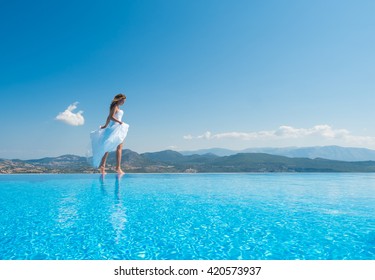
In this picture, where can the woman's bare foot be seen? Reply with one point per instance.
(102, 170)
(119, 171)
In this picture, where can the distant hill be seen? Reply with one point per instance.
(171, 162)
(216, 151)
(327, 152)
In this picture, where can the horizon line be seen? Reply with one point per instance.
(198, 150)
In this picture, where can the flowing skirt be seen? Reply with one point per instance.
(107, 140)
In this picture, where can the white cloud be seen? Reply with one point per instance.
(71, 118)
(206, 135)
(172, 147)
(317, 132)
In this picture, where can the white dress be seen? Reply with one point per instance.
(107, 139)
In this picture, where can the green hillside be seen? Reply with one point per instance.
(173, 162)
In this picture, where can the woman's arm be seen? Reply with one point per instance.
(111, 117)
(106, 123)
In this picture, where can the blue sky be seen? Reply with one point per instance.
(197, 74)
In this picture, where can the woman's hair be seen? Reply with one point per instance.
(116, 99)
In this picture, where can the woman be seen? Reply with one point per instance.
(110, 136)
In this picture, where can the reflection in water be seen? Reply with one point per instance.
(102, 184)
(118, 214)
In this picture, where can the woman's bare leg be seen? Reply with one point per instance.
(119, 155)
(102, 163)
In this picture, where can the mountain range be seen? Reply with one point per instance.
(326, 152)
(213, 160)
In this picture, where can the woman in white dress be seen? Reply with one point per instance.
(110, 136)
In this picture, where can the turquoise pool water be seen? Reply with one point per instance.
(188, 216)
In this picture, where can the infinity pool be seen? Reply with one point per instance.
(188, 216)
